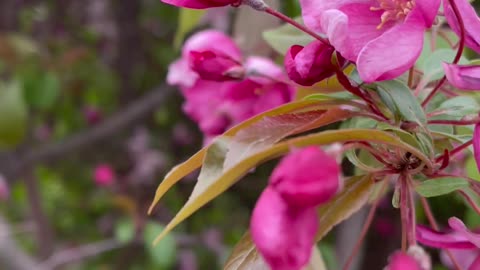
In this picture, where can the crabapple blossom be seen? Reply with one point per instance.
(470, 19)
(284, 221)
(104, 175)
(383, 37)
(466, 77)
(310, 64)
(402, 261)
(201, 4)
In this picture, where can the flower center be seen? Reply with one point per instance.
(393, 10)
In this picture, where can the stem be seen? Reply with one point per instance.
(292, 22)
(454, 151)
(470, 201)
(404, 210)
(410, 77)
(461, 46)
(413, 225)
(366, 226)
(44, 233)
(474, 121)
(433, 223)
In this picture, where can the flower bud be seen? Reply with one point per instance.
(402, 261)
(463, 77)
(283, 234)
(307, 177)
(104, 175)
(310, 64)
(214, 66)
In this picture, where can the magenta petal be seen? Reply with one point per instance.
(457, 225)
(429, 10)
(431, 238)
(476, 145)
(212, 40)
(199, 4)
(393, 53)
(402, 261)
(470, 19)
(463, 77)
(283, 235)
(302, 189)
(179, 73)
(476, 264)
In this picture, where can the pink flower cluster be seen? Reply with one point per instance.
(220, 89)
(284, 221)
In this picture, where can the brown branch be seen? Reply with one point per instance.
(13, 164)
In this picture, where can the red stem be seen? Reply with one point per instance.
(455, 150)
(459, 51)
(292, 22)
(470, 201)
(455, 122)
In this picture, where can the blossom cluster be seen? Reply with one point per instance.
(382, 41)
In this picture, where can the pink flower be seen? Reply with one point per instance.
(463, 77)
(104, 175)
(460, 238)
(470, 20)
(180, 72)
(216, 106)
(383, 37)
(210, 65)
(476, 145)
(311, 64)
(284, 221)
(201, 4)
(402, 261)
(283, 234)
(307, 177)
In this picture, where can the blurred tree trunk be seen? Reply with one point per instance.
(8, 15)
(129, 45)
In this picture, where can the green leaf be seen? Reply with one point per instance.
(458, 107)
(471, 169)
(229, 176)
(13, 114)
(42, 90)
(400, 99)
(440, 186)
(188, 19)
(432, 67)
(285, 36)
(124, 231)
(162, 255)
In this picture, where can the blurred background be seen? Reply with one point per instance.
(88, 128)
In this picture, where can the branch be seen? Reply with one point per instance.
(12, 164)
(80, 253)
(12, 257)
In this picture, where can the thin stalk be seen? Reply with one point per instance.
(292, 22)
(461, 46)
(455, 150)
(470, 201)
(366, 226)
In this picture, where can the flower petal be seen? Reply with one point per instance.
(212, 40)
(463, 77)
(180, 73)
(476, 145)
(431, 238)
(470, 19)
(458, 226)
(283, 235)
(429, 10)
(394, 52)
(402, 261)
(310, 189)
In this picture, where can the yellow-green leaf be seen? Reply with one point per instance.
(246, 257)
(231, 175)
(194, 162)
(354, 196)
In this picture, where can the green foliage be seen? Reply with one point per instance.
(13, 114)
(162, 255)
(285, 36)
(440, 186)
